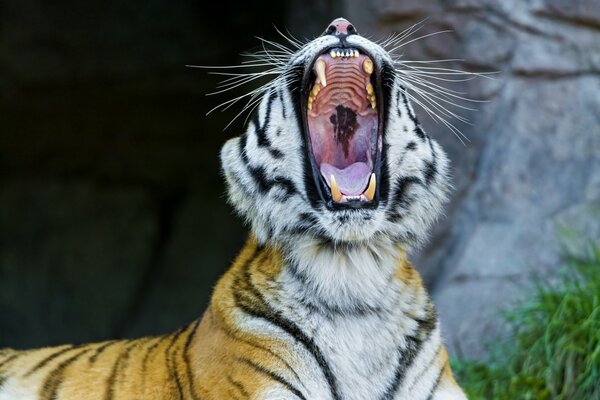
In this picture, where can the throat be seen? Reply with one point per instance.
(357, 279)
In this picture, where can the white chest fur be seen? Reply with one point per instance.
(358, 315)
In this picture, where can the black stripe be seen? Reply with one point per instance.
(257, 307)
(398, 100)
(232, 394)
(426, 368)
(54, 379)
(172, 366)
(274, 376)
(186, 359)
(411, 146)
(2, 380)
(259, 174)
(239, 386)
(242, 147)
(283, 109)
(9, 359)
(407, 355)
(262, 138)
(111, 381)
(231, 333)
(436, 384)
(169, 361)
(265, 184)
(418, 130)
(307, 223)
(101, 349)
(399, 197)
(431, 166)
(149, 351)
(46, 360)
(384, 183)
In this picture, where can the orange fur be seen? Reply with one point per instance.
(208, 359)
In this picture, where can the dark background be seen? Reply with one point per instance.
(113, 220)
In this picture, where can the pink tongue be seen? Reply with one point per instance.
(351, 180)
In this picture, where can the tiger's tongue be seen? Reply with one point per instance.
(351, 180)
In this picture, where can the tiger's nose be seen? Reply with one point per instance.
(340, 26)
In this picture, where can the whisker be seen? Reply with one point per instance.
(418, 38)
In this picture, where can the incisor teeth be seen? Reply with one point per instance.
(333, 54)
(320, 67)
(339, 53)
(370, 192)
(368, 66)
(356, 54)
(335, 190)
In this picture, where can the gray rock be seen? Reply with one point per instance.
(532, 169)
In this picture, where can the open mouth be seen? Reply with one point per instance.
(343, 121)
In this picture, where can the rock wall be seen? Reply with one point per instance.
(532, 166)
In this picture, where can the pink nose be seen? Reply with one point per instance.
(340, 26)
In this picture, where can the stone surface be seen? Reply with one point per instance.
(532, 168)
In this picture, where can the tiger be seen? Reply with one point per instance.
(337, 181)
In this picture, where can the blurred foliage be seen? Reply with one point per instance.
(554, 352)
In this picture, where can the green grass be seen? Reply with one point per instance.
(554, 352)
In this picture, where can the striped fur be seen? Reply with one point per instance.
(320, 304)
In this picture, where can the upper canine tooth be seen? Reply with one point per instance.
(368, 66)
(370, 192)
(335, 190)
(320, 67)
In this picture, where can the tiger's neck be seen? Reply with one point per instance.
(332, 279)
(342, 279)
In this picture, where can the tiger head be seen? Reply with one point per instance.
(334, 150)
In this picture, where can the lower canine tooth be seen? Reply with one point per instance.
(370, 89)
(335, 190)
(370, 192)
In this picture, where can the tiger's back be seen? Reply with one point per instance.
(146, 368)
